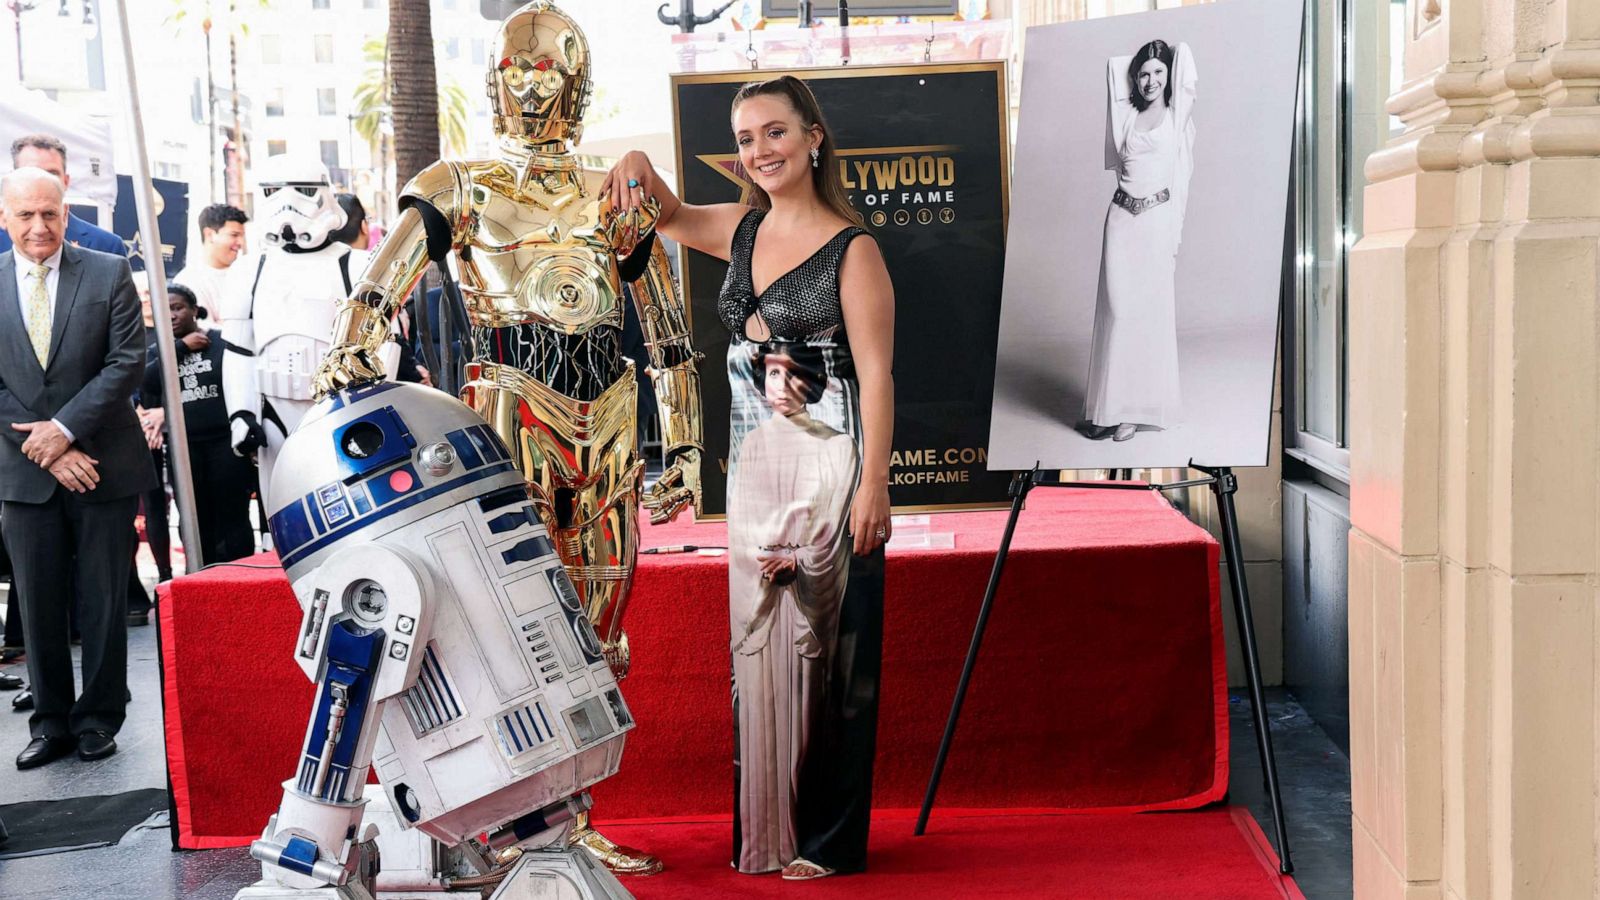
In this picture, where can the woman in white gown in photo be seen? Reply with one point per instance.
(1133, 363)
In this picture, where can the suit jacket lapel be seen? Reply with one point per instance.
(66, 296)
(12, 332)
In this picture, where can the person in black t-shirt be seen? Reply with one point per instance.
(223, 481)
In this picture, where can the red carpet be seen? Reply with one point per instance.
(1214, 853)
(1101, 686)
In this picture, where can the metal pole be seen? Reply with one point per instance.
(17, 8)
(1020, 485)
(1224, 488)
(155, 268)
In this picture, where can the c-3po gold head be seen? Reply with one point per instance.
(539, 80)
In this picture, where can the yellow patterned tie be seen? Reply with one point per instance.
(39, 314)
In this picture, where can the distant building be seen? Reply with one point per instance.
(305, 59)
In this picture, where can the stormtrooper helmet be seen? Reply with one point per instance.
(296, 200)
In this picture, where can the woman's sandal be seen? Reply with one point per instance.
(805, 870)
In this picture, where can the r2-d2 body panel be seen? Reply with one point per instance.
(498, 700)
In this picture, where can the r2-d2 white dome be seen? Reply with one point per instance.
(450, 650)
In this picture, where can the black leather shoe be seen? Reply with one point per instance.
(93, 745)
(10, 682)
(8, 654)
(22, 702)
(44, 750)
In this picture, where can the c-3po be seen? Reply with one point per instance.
(541, 260)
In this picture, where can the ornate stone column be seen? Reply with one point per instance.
(1475, 435)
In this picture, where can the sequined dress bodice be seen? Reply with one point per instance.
(802, 304)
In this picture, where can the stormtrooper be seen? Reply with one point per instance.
(451, 656)
(279, 306)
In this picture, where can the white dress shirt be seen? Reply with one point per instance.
(52, 278)
(25, 281)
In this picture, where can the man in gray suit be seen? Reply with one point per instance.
(73, 461)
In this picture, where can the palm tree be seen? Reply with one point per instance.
(372, 97)
(413, 88)
(199, 12)
(239, 26)
(235, 22)
(371, 101)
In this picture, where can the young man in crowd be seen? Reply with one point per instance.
(223, 481)
(221, 242)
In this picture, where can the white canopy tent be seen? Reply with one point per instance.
(88, 139)
(603, 148)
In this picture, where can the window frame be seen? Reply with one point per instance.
(323, 146)
(1326, 459)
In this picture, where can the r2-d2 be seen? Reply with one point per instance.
(450, 652)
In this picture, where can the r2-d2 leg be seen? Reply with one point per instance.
(356, 640)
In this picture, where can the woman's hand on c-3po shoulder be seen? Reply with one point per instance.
(633, 168)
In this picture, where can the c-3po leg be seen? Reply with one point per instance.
(585, 477)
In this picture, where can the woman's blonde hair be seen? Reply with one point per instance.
(825, 174)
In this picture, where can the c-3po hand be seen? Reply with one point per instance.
(627, 224)
(677, 489)
(345, 366)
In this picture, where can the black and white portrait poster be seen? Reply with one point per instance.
(1139, 322)
(923, 154)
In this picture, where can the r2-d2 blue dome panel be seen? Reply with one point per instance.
(507, 704)
(358, 467)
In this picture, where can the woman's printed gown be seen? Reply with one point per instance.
(806, 652)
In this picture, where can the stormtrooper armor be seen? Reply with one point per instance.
(450, 652)
(279, 306)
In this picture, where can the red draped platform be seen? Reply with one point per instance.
(1102, 683)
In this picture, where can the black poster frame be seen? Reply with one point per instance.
(941, 441)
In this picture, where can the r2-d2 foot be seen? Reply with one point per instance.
(449, 648)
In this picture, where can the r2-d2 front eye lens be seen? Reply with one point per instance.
(437, 459)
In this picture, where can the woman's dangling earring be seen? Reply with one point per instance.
(816, 157)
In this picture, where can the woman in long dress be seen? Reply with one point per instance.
(811, 309)
(1133, 364)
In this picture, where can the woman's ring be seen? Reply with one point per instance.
(633, 182)
(883, 533)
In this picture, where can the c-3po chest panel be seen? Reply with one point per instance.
(538, 257)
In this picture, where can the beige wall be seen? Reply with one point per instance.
(1474, 435)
